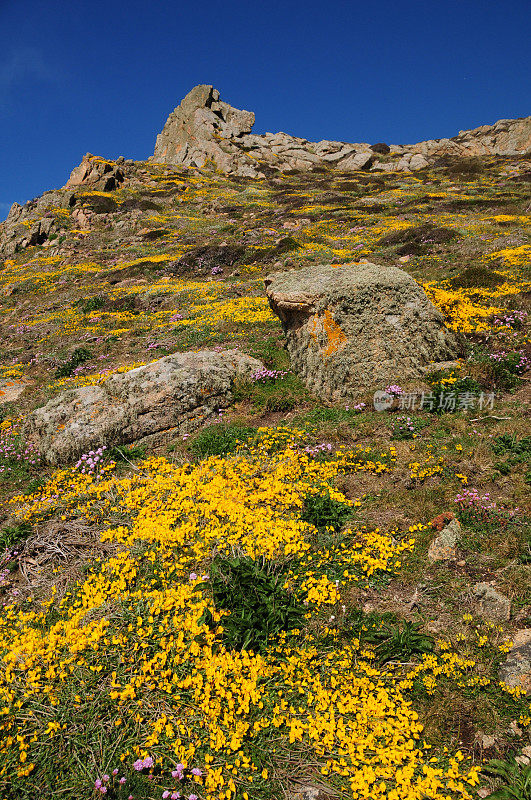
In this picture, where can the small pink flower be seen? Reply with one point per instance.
(196, 771)
(165, 794)
(97, 784)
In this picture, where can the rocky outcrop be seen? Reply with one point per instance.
(205, 130)
(33, 223)
(358, 326)
(96, 173)
(41, 220)
(178, 392)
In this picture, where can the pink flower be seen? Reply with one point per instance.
(196, 771)
(122, 781)
(97, 784)
(138, 765)
(165, 794)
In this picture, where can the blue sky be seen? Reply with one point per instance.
(102, 76)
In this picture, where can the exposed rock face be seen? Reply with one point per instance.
(358, 326)
(517, 669)
(32, 223)
(204, 129)
(176, 392)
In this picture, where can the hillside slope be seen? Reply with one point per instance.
(265, 608)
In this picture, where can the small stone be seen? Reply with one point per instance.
(492, 605)
(487, 741)
(444, 546)
(516, 671)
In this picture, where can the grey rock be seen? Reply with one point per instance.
(358, 326)
(444, 546)
(204, 130)
(516, 671)
(362, 160)
(418, 162)
(492, 605)
(178, 392)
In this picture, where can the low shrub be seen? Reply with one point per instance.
(90, 304)
(405, 427)
(279, 392)
(78, 357)
(13, 534)
(447, 391)
(325, 512)
(19, 460)
(515, 779)
(400, 642)
(260, 608)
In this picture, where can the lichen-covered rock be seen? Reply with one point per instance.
(443, 547)
(517, 668)
(180, 392)
(491, 604)
(358, 326)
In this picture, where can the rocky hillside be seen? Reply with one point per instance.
(264, 470)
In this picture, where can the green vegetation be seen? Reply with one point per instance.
(259, 607)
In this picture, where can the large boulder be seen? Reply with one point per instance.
(355, 327)
(180, 392)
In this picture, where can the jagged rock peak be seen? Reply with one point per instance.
(205, 130)
(192, 131)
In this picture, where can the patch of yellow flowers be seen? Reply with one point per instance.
(123, 654)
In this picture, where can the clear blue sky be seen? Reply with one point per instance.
(102, 75)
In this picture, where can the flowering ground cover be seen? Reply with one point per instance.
(249, 609)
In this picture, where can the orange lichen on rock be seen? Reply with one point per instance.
(327, 325)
